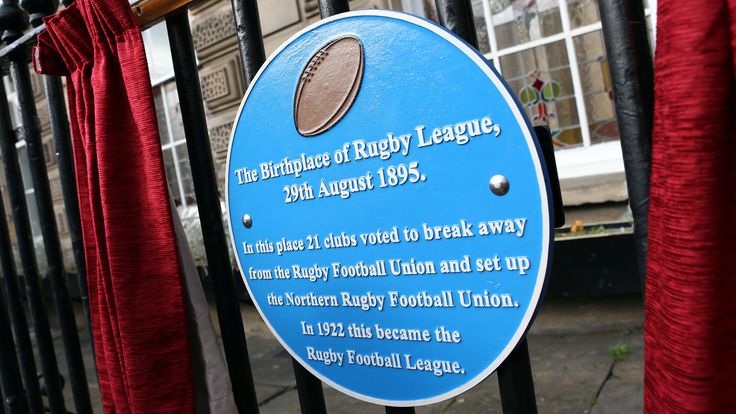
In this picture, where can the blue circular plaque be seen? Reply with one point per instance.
(389, 207)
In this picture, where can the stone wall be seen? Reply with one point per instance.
(223, 87)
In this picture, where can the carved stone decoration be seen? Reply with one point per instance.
(214, 30)
(214, 33)
(219, 138)
(215, 85)
(221, 84)
(55, 184)
(310, 8)
(44, 122)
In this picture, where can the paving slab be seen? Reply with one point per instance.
(580, 316)
(570, 350)
(623, 391)
(266, 393)
(569, 344)
(570, 367)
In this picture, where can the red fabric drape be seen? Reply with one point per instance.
(133, 273)
(690, 329)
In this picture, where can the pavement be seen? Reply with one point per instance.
(586, 357)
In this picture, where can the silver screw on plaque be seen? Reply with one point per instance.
(247, 221)
(499, 185)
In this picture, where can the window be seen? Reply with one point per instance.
(171, 129)
(156, 43)
(552, 54)
(173, 144)
(173, 140)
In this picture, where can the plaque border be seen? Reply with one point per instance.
(541, 173)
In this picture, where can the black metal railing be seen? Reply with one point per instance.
(21, 389)
(210, 215)
(14, 22)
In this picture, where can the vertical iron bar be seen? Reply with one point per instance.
(65, 164)
(36, 304)
(329, 8)
(515, 382)
(252, 56)
(14, 399)
(632, 72)
(457, 16)
(309, 388)
(208, 204)
(12, 290)
(250, 40)
(14, 22)
(38, 9)
(514, 374)
(548, 152)
(62, 141)
(52, 245)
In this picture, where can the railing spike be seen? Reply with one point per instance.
(13, 21)
(38, 9)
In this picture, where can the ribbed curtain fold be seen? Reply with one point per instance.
(690, 328)
(136, 290)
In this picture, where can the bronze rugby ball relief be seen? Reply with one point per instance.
(328, 86)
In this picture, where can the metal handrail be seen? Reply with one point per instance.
(149, 12)
(146, 12)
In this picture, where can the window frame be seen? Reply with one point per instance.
(579, 161)
(160, 83)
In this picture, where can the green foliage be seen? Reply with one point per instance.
(619, 352)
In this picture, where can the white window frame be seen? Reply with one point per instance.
(583, 163)
(172, 142)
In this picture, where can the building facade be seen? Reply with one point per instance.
(550, 52)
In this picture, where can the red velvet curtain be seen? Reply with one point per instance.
(133, 272)
(690, 330)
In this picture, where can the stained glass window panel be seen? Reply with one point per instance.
(520, 21)
(583, 12)
(595, 80)
(541, 79)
